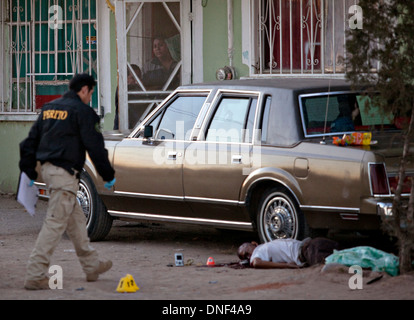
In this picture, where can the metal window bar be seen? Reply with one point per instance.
(312, 39)
(333, 38)
(19, 51)
(301, 38)
(281, 36)
(290, 37)
(2, 71)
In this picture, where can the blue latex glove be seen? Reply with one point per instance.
(110, 184)
(31, 183)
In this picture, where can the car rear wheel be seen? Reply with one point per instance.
(279, 216)
(98, 221)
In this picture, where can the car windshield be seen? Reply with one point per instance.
(342, 113)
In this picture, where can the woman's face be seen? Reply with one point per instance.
(160, 48)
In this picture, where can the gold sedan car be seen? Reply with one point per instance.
(282, 157)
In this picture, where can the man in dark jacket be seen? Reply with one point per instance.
(65, 130)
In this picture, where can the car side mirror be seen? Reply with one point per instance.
(148, 132)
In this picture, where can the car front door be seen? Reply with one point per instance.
(149, 171)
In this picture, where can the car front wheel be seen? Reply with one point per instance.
(98, 221)
(279, 217)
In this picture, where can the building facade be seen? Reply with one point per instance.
(140, 51)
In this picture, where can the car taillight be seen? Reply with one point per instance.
(379, 179)
(406, 185)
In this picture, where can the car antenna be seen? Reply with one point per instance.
(326, 114)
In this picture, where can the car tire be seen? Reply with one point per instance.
(98, 221)
(279, 217)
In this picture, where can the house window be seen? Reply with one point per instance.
(46, 42)
(301, 37)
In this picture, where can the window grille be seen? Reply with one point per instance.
(301, 37)
(46, 42)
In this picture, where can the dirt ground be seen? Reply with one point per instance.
(146, 251)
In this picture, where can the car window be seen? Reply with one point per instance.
(233, 120)
(341, 113)
(248, 133)
(265, 119)
(176, 121)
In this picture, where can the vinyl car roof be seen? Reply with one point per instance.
(285, 128)
(299, 85)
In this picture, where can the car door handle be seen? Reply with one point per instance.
(172, 155)
(237, 158)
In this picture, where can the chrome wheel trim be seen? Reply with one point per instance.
(278, 218)
(84, 198)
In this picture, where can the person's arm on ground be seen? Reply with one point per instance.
(260, 264)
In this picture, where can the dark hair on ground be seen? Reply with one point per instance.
(241, 250)
(80, 80)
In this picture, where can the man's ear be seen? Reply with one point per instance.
(255, 243)
(85, 90)
(84, 94)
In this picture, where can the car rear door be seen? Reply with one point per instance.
(218, 162)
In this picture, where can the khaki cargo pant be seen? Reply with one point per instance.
(63, 214)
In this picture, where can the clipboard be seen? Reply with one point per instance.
(27, 195)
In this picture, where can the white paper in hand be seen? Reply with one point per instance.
(27, 195)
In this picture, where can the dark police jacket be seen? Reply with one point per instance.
(65, 130)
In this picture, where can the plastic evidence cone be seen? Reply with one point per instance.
(127, 284)
(210, 261)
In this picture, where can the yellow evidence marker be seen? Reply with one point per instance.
(127, 284)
